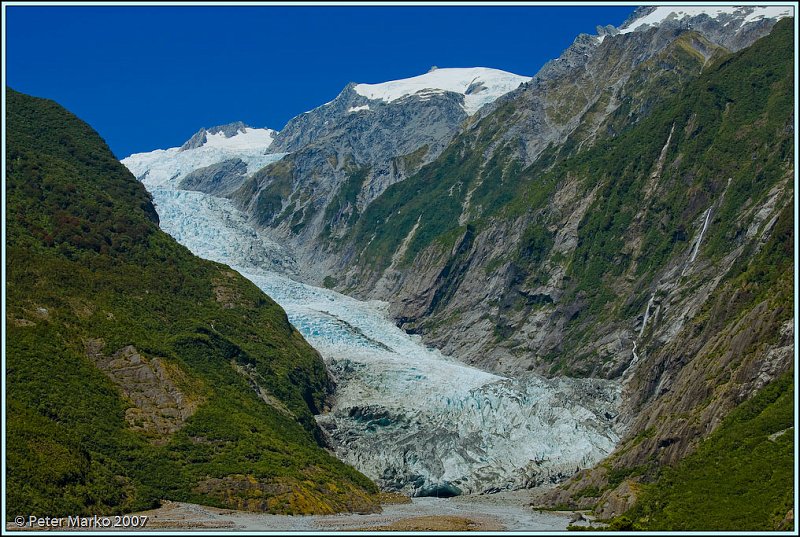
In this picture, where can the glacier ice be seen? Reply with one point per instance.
(166, 167)
(408, 416)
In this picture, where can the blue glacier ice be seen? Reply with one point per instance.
(406, 415)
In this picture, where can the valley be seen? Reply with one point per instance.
(414, 420)
(468, 299)
(541, 312)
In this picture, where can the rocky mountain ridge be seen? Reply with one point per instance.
(607, 259)
(361, 147)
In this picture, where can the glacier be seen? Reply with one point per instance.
(166, 167)
(407, 416)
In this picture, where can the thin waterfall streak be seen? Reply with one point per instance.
(700, 239)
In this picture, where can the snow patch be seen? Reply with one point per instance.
(167, 167)
(358, 108)
(478, 85)
(247, 139)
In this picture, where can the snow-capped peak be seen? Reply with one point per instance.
(231, 136)
(478, 85)
(747, 14)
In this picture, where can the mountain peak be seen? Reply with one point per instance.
(478, 85)
(649, 16)
(229, 129)
(236, 135)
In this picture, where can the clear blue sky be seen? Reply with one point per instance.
(148, 77)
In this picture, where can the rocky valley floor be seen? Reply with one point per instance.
(496, 512)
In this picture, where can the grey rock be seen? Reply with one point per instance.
(199, 138)
(230, 129)
(219, 179)
(329, 144)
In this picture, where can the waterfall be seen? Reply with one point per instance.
(702, 231)
(647, 314)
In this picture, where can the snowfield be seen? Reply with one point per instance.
(249, 138)
(478, 85)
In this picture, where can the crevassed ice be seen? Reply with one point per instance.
(404, 414)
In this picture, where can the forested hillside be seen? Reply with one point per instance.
(136, 371)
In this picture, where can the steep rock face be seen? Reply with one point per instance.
(505, 253)
(218, 179)
(346, 153)
(355, 148)
(590, 79)
(471, 88)
(657, 251)
(382, 143)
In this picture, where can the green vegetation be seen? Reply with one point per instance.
(90, 274)
(434, 198)
(728, 120)
(721, 123)
(413, 160)
(659, 79)
(502, 187)
(395, 212)
(739, 479)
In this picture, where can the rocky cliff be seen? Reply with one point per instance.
(498, 262)
(344, 154)
(654, 243)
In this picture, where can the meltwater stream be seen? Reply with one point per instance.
(407, 416)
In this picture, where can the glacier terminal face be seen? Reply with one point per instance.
(409, 417)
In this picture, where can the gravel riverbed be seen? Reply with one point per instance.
(497, 512)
